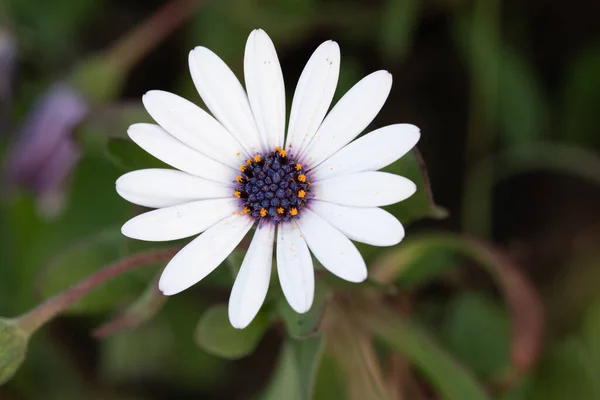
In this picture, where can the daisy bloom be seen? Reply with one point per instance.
(313, 190)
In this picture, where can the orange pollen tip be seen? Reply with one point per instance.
(278, 149)
(248, 162)
(298, 167)
(263, 212)
(246, 210)
(282, 153)
(302, 178)
(293, 211)
(301, 193)
(237, 194)
(257, 158)
(280, 210)
(238, 178)
(242, 168)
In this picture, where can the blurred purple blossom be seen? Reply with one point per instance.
(45, 152)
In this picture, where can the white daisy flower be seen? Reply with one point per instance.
(314, 189)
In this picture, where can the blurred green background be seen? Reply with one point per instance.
(507, 97)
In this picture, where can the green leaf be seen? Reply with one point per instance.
(421, 204)
(295, 372)
(126, 154)
(300, 326)
(564, 372)
(446, 375)
(85, 258)
(216, 336)
(591, 333)
(477, 331)
(581, 98)
(398, 24)
(13, 346)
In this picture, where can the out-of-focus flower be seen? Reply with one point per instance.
(45, 151)
(317, 187)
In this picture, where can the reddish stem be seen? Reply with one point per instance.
(49, 309)
(129, 50)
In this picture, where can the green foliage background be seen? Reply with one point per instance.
(507, 96)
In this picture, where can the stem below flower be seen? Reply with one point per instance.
(49, 309)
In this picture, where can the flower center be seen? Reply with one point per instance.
(272, 187)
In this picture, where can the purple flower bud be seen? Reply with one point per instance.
(45, 152)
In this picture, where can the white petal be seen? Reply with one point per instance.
(178, 222)
(203, 254)
(364, 189)
(266, 91)
(159, 143)
(295, 268)
(369, 225)
(166, 187)
(224, 96)
(193, 126)
(334, 250)
(349, 117)
(252, 282)
(313, 96)
(371, 152)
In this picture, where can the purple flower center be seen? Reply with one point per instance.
(272, 187)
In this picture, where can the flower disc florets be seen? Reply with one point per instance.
(272, 187)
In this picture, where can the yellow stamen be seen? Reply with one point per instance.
(246, 210)
(282, 153)
(242, 168)
(293, 211)
(298, 167)
(263, 212)
(238, 179)
(302, 178)
(237, 194)
(280, 210)
(248, 162)
(257, 158)
(278, 149)
(301, 193)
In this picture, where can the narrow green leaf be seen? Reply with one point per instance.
(398, 24)
(216, 336)
(295, 372)
(446, 375)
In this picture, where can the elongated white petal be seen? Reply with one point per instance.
(350, 116)
(167, 187)
(180, 221)
(371, 152)
(203, 254)
(313, 96)
(369, 225)
(266, 91)
(295, 268)
(364, 189)
(224, 96)
(334, 250)
(159, 143)
(252, 282)
(193, 126)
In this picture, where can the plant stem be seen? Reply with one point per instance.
(49, 309)
(129, 50)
